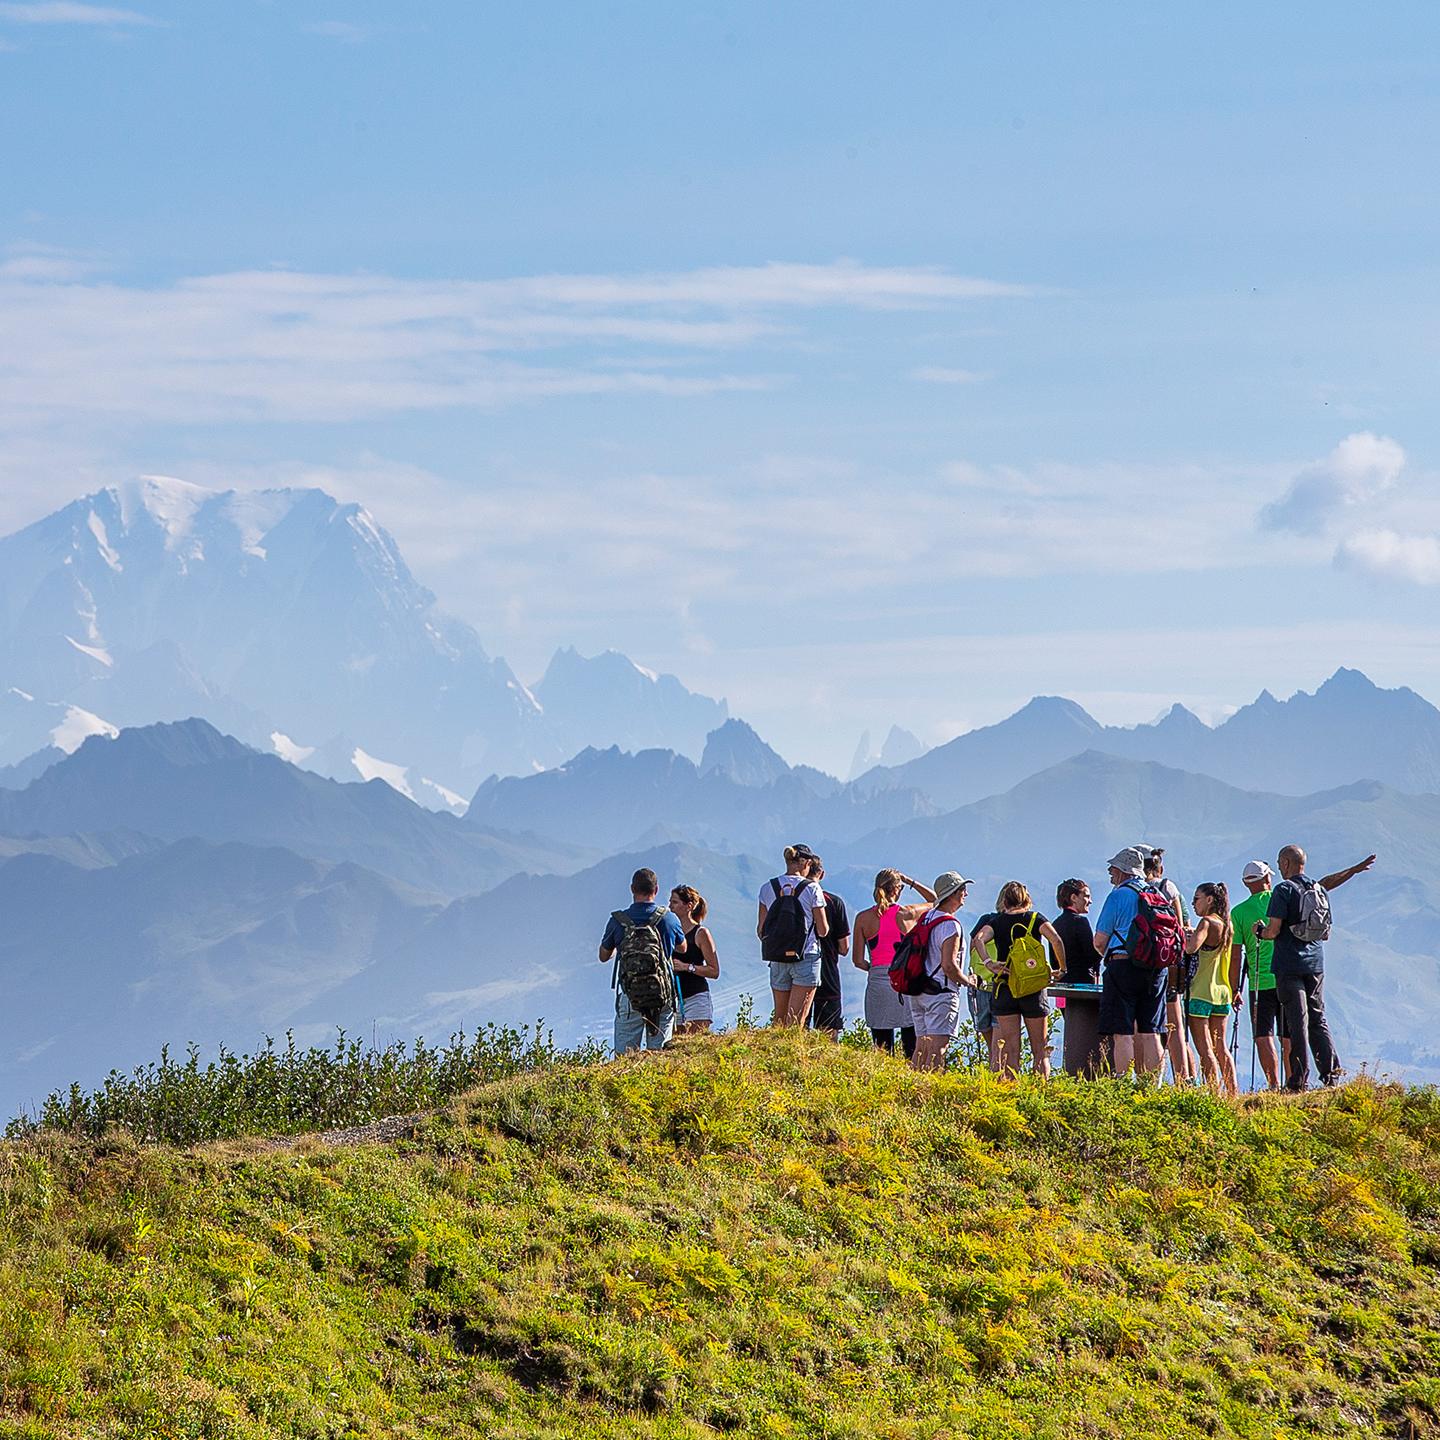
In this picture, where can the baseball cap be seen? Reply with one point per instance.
(803, 852)
(1129, 860)
(1256, 870)
(947, 884)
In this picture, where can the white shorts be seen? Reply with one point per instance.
(699, 1006)
(936, 1014)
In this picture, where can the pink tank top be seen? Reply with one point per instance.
(886, 939)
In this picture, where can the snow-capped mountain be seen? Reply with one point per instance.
(285, 611)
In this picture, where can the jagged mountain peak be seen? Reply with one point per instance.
(737, 751)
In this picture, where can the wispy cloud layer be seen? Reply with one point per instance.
(1390, 555)
(944, 375)
(282, 345)
(65, 12)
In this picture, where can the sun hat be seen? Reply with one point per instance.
(947, 884)
(1129, 861)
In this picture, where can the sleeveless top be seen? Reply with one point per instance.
(882, 947)
(1212, 977)
(691, 984)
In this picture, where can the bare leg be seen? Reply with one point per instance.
(1038, 1031)
(1122, 1049)
(1182, 1063)
(782, 1006)
(930, 1052)
(801, 998)
(1007, 1046)
(1228, 1081)
(1210, 1067)
(1269, 1052)
(1149, 1055)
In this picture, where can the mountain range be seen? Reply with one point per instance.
(1349, 729)
(286, 613)
(172, 884)
(237, 737)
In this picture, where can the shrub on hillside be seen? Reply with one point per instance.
(288, 1091)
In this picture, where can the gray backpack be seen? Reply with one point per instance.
(1314, 911)
(645, 977)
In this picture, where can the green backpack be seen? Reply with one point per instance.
(1029, 965)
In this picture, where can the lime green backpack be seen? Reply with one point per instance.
(1029, 965)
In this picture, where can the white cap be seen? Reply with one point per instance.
(1256, 870)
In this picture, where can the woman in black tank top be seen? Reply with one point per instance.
(699, 965)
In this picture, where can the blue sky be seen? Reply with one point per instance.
(859, 364)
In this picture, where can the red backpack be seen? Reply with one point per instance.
(1156, 939)
(907, 970)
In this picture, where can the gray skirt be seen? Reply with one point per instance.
(884, 1009)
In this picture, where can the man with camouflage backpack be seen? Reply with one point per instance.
(644, 938)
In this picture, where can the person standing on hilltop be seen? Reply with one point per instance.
(644, 938)
(700, 963)
(828, 1012)
(1132, 996)
(1298, 921)
(1076, 956)
(878, 931)
(937, 1013)
(791, 924)
(1216, 980)
(1255, 956)
(1183, 1065)
(1018, 931)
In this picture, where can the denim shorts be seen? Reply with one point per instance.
(1132, 998)
(788, 974)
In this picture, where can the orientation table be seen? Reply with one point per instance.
(1081, 1050)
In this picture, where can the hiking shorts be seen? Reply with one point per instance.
(790, 974)
(936, 1014)
(1204, 1009)
(1032, 1007)
(982, 1008)
(634, 1032)
(1132, 998)
(1267, 1019)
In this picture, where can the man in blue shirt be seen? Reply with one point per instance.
(1132, 997)
(632, 1029)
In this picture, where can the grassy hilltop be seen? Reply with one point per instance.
(757, 1235)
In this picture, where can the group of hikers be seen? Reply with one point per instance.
(1169, 977)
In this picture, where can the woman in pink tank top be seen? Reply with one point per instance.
(878, 931)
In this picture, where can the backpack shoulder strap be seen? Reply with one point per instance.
(621, 918)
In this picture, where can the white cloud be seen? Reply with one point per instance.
(1358, 471)
(943, 375)
(64, 12)
(1392, 556)
(280, 345)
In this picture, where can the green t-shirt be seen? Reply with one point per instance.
(1257, 952)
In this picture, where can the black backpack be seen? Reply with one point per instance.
(786, 926)
(642, 972)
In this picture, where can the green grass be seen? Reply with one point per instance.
(756, 1234)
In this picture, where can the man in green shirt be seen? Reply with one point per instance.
(1265, 1016)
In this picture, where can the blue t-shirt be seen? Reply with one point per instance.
(1117, 915)
(670, 932)
(1292, 958)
